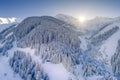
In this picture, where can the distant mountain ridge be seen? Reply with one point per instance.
(7, 20)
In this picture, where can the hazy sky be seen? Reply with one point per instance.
(88, 8)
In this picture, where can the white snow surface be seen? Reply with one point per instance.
(6, 72)
(56, 71)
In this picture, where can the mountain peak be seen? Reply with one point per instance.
(8, 20)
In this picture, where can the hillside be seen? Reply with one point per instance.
(45, 48)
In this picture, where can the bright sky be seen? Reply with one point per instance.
(76, 8)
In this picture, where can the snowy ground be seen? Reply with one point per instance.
(6, 72)
(56, 71)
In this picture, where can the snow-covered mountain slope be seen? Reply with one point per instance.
(108, 36)
(45, 48)
(102, 45)
(100, 40)
(112, 42)
(109, 46)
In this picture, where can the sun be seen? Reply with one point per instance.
(82, 19)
